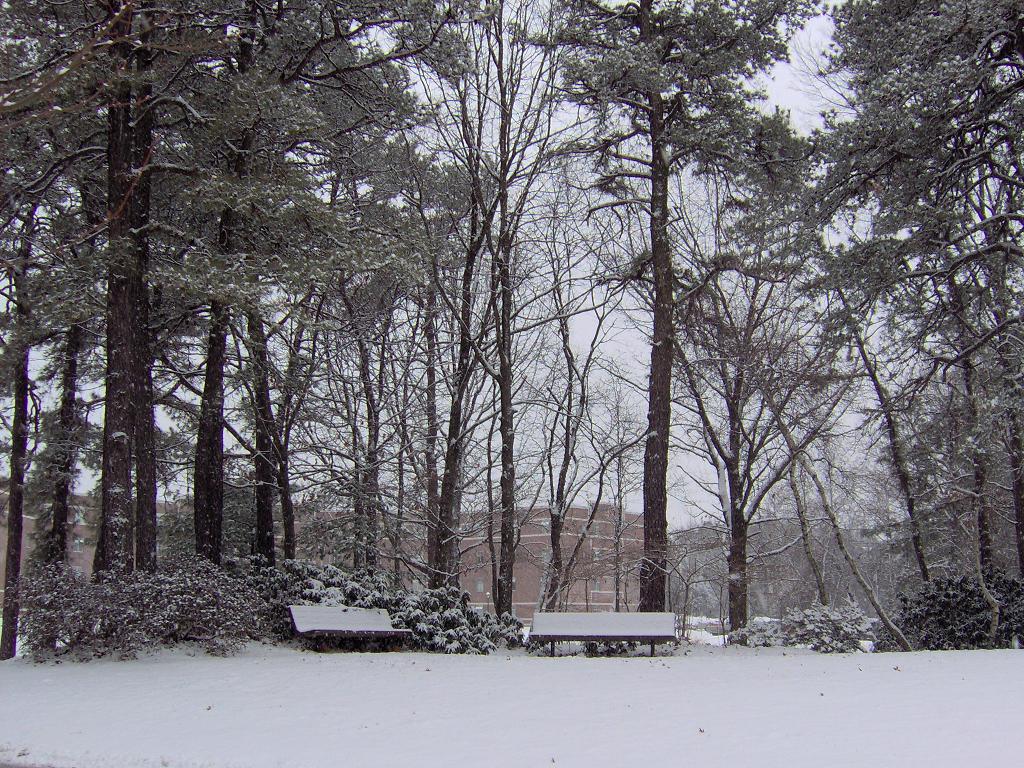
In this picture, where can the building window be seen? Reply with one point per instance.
(480, 586)
(78, 545)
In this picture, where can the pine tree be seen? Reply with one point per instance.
(668, 86)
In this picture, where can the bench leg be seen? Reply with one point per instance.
(552, 648)
(652, 650)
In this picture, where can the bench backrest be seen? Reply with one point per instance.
(607, 624)
(339, 618)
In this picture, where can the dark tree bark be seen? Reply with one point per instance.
(62, 470)
(145, 427)
(654, 567)
(557, 514)
(1016, 456)
(896, 453)
(737, 567)
(805, 535)
(208, 479)
(263, 418)
(979, 468)
(16, 484)
(433, 429)
(122, 333)
(503, 599)
(557, 566)
(284, 493)
(15, 506)
(446, 573)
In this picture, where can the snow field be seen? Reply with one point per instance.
(284, 708)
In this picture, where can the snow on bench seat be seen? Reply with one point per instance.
(647, 628)
(603, 626)
(342, 620)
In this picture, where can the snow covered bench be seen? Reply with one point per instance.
(339, 621)
(646, 628)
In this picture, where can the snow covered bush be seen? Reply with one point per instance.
(188, 600)
(441, 620)
(757, 634)
(951, 613)
(826, 628)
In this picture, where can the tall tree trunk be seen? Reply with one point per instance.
(62, 470)
(979, 465)
(620, 502)
(896, 453)
(16, 484)
(739, 521)
(737, 562)
(263, 417)
(654, 567)
(1016, 456)
(208, 479)
(805, 535)
(116, 552)
(145, 427)
(557, 565)
(433, 429)
(446, 573)
(284, 492)
(503, 602)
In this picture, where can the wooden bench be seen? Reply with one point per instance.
(646, 628)
(330, 621)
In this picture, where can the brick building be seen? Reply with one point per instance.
(593, 582)
(81, 537)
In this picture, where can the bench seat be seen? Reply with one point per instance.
(647, 628)
(343, 621)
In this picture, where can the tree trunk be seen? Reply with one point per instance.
(737, 562)
(896, 453)
(263, 417)
(556, 566)
(805, 535)
(654, 567)
(980, 474)
(1016, 456)
(369, 487)
(145, 427)
(208, 479)
(433, 429)
(116, 552)
(16, 488)
(62, 470)
(284, 492)
(446, 573)
(503, 601)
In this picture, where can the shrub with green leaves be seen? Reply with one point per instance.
(950, 613)
(441, 620)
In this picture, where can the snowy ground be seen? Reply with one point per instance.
(702, 707)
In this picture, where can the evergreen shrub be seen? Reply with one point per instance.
(826, 628)
(950, 613)
(188, 600)
(441, 620)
